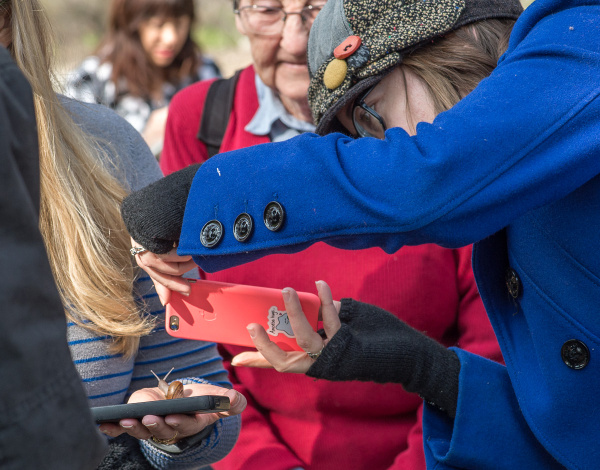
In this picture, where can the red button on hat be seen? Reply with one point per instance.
(347, 48)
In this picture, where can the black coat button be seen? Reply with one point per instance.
(211, 233)
(242, 228)
(575, 354)
(513, 283)
(274, 216)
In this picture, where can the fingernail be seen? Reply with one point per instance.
(192, 281)
(251, 331)
(149, 425)
(126, 426)
(319, 284)
(103, 430)
(286, 295)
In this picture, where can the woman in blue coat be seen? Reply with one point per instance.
(514, 167)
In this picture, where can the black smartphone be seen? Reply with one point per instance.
(190, 405)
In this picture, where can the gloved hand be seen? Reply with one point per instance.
(154, 214)
(374, 345)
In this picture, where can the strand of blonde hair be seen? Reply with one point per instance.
(86, 240)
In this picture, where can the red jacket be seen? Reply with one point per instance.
(293, 420)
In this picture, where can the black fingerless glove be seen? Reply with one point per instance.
(154, 214)
(374, 345)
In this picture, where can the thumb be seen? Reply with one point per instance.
(237, 402)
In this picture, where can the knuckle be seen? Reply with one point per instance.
(304, 343)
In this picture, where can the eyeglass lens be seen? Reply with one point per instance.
(367, 122)
(264, 19)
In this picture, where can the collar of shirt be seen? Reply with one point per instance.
(272, 119)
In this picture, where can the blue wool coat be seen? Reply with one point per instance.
(514, 167)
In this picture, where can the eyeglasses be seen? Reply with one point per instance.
(366, 120)
(266, 20)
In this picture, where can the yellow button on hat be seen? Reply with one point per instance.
(335, 73)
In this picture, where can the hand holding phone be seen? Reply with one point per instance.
(183, 419)
(220, 312)
(269, 355)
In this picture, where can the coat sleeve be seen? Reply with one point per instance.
(493, 429)
(506, 148)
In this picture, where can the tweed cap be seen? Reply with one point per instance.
(353, 44)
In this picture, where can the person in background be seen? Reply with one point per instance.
(146, 56)
(115, 327)
(39, 382)
(430, 287)
(270, 102)
(513, 167)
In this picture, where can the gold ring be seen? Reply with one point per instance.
(137, 250)
(315, 355)
(165, 441)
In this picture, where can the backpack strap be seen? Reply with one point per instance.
(216, 112)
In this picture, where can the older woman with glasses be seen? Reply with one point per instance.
(270, 102)
(291, 421)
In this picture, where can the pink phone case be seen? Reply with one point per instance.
(220, 312)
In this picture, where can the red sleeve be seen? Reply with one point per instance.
(475, 332)
(181, 146)
(414, 455)
(257, 448)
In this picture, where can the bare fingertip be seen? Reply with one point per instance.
(235, 396)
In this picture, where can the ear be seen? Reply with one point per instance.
(239, 25)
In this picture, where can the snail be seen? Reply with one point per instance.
(173, 390)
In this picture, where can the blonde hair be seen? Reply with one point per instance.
(86, 240)
(451, 66)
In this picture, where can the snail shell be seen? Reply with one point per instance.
(175, 390)
(172, 390)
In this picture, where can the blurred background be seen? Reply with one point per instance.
(79, 25)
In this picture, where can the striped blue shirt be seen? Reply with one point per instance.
(110, 378)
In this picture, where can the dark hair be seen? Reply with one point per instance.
(123, 49)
